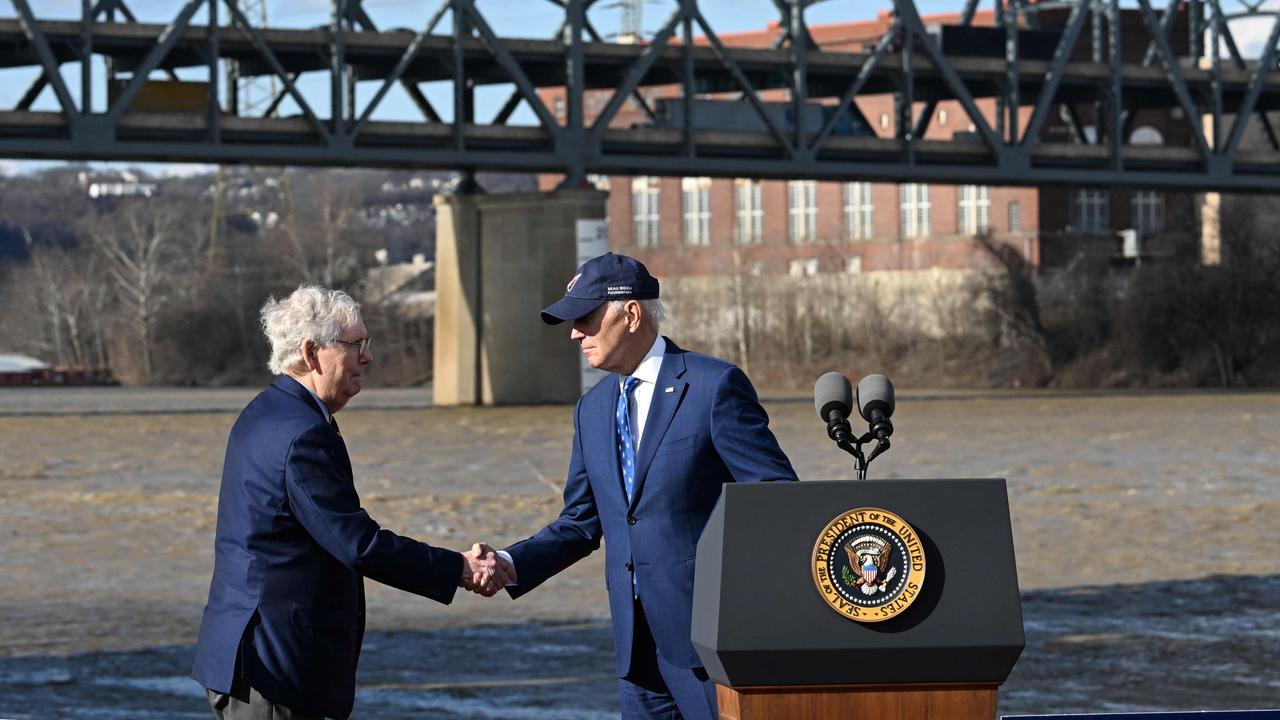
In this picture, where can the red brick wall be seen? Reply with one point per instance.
(1044, 212)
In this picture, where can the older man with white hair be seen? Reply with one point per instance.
(282, 630)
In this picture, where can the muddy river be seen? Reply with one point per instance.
(1146, 529)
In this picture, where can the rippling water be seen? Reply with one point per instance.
(1145, 531)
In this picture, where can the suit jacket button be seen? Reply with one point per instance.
(631, 520)
(630, 567)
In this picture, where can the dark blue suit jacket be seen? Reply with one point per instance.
(291, 551)
(707, 431)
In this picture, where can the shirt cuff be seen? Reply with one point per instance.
(507, 556)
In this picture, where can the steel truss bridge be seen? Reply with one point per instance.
(1209, 85)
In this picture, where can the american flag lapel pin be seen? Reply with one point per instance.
(670, 389)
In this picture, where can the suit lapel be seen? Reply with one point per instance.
(291, 386)
(607, 424)
(662, 408)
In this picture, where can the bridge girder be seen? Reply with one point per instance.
(1006, 147)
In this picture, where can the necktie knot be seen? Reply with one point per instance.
(630, 384)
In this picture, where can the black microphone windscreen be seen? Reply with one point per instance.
(832, 392)
(875, 392)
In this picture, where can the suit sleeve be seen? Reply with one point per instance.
(741, 435)
(572, 536)
(324, 500)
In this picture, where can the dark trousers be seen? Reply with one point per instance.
(655, 689)
(245, 703)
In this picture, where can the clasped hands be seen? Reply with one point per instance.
(484, 572)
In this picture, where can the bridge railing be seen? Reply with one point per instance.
(1048, 92)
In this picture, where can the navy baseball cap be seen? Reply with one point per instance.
(599, 280)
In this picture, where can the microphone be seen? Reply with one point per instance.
(833, 399)
(875, 404)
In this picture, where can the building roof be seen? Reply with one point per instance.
(21, 363)
(848, 36)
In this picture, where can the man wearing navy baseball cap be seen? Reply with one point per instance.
(653, 442)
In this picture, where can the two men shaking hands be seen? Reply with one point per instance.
(653, 444)
(486, 572)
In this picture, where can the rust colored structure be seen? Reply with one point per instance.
(705, 226)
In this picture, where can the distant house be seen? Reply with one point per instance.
(411, 286)
(23, 370)
(125, 184)
(21, 363)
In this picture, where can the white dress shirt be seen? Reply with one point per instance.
(642, 397)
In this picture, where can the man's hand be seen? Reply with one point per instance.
(484, 572)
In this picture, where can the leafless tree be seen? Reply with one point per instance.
(145, 248)
(320, 230)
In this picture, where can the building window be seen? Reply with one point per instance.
(857, 211)
(803, 267)
(697, 210)
(1015, 216)
(748, 228)
(644, 210)
(802, 206)
(1090, 211)
(974, 208)
(913, 201)
(1148, 211)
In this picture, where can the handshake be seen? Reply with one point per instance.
(484, 572)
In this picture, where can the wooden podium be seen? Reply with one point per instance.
(777, 650)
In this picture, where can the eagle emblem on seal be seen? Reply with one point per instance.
(869, 555)
(868, 564)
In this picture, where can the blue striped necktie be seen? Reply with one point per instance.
(626, 446)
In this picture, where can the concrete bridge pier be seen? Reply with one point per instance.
(499, 260)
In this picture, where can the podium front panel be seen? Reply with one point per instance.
(759, 619)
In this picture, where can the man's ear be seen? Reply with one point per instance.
(635, 313)
(309, 357)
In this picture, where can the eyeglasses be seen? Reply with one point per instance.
(361, 345)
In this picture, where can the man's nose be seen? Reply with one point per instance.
(576, 334)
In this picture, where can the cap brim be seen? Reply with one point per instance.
(569, 308)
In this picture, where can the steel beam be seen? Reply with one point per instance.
(906, 60)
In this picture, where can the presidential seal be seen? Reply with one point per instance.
(868, 564)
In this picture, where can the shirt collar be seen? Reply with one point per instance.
(323, 408)
(647, 370)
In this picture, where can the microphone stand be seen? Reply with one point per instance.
(838, 429)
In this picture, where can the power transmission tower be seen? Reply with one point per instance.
(250, 96)
(254, 94)
(631, 20)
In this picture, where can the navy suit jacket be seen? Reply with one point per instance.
(705, 427)
(291, 551)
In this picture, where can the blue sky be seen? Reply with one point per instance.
(511, 18)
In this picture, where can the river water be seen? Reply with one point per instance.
(1145, 526)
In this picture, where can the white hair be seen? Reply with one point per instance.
(652, 309)
(309, 313)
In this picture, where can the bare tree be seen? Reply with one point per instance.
(145, 246)
(320, 230)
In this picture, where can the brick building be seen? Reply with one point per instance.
(700, 226)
